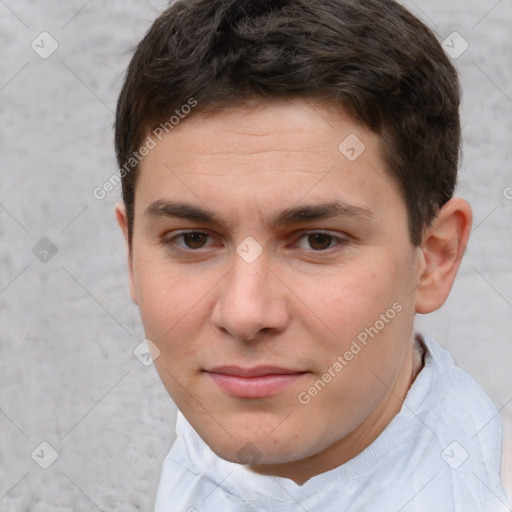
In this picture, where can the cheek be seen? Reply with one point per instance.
(353, 300)
(368, 306)
(166, 298)
(172, 314)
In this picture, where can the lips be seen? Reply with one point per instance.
(258, 382)
(259, 371)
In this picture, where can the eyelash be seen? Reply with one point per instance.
(170, 242)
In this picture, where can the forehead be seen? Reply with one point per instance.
(268, 154)
(276, 125)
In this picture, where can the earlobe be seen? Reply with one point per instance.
(444, 244)
(122, 220)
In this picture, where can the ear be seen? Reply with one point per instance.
(122, 220)
(444, 244)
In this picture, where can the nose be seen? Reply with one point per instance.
(251, 301)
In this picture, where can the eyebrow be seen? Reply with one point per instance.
(164, 208)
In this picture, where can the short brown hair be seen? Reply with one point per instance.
(371, 57)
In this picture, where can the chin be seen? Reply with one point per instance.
(254, 437)
(257, 449)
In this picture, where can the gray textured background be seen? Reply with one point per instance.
(68, 375)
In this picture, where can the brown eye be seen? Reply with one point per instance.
(320, 241)
(194, 240)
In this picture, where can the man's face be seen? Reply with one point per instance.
(262, 254)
